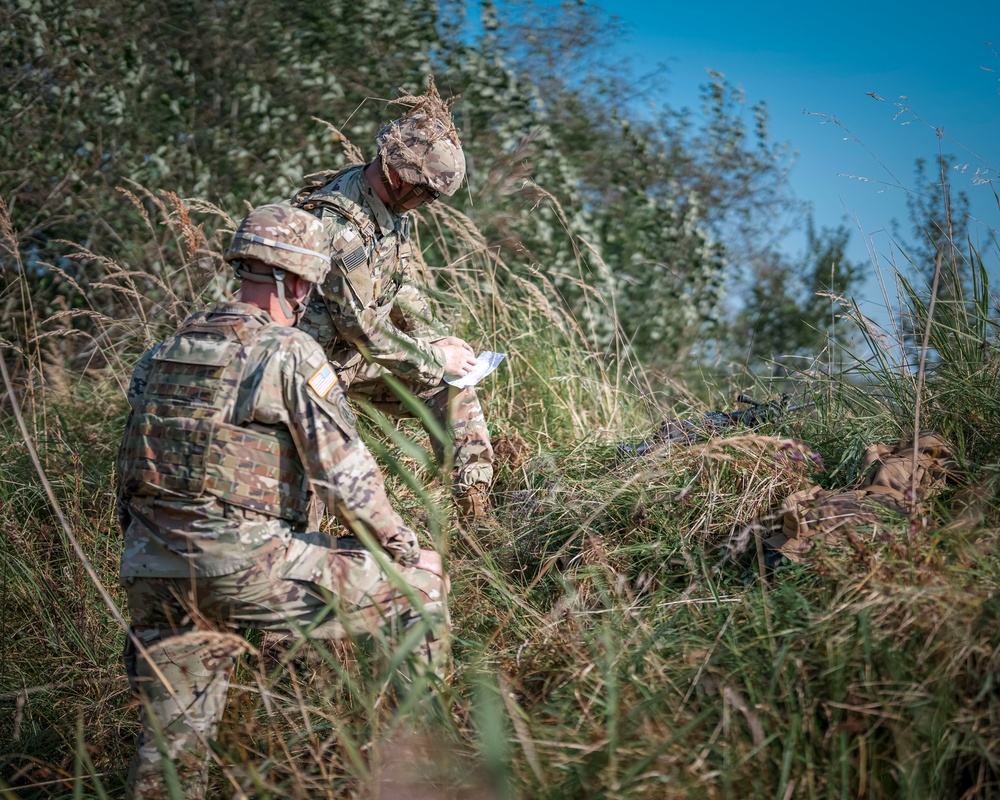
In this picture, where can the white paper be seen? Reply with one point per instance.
(485, 364)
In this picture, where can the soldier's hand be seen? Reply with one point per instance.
(403, 547)
(459, 356)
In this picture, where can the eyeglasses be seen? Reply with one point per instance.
(420, 191)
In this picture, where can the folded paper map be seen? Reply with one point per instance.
(485, 364)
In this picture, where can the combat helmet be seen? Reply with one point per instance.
(423, 146)
(285, 238)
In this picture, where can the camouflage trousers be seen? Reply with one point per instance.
(456, 410)
(332, 587)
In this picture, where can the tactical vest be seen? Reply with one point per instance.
(353, 261)
(182, 444)
(311, 196)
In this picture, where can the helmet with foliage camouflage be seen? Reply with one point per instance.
(422, 146)
(424, 152)
(283, 237)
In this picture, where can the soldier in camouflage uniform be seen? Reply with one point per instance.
(236, 419)
(370, 317)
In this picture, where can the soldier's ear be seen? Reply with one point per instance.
(393, 177)
(300, 286)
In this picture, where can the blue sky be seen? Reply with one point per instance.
(816, 63)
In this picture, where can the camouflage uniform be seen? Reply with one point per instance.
(235, 421)
(371, 319)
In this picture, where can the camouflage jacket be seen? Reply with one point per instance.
(234, 421)
(369, 306)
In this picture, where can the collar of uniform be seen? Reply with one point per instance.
(242, 310)
(384, 218)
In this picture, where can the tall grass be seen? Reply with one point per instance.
(614, 636)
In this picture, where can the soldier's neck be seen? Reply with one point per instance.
(264, 297)
(373, 174)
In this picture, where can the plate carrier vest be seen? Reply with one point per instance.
(181, 443)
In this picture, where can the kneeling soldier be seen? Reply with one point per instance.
(236, 419)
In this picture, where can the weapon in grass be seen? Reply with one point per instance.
(712, 423)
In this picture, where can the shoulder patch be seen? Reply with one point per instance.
(315, 357)
(324, 380)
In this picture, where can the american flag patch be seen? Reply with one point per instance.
(324, 380)
(354, 259)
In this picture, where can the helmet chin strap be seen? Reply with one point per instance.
(300, 306)
(397, 199)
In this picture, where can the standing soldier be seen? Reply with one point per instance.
(371, 318)
(236, 418)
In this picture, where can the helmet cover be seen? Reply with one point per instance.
(284, 237)
(423, 146)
